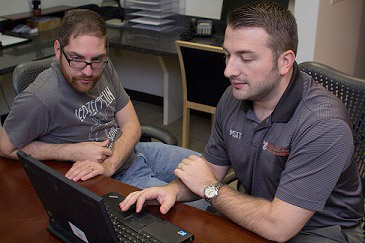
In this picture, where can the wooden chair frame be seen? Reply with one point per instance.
(189, 105)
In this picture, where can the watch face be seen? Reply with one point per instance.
(211, 192)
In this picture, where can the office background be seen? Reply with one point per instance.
(330, 31)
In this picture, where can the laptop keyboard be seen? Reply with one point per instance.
(130, 226)
(129, 233)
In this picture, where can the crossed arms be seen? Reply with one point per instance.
(92, 158)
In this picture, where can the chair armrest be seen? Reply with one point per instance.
(158, 133)
(230, 177)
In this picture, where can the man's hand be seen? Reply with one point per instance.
(163, 196)
(84, 170)
(195, 174)
(93, 151)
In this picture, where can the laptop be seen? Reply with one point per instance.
(79, 215)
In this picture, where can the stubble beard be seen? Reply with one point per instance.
(73, 81)
(264, 89)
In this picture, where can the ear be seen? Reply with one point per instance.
(57, 49)
(286, 61)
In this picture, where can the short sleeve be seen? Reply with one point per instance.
(28, 119)
(215, 151)
(318, 157)
(122, 98)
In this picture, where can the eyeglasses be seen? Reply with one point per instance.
(82, 64)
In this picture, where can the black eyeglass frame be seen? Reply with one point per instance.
(69, 60)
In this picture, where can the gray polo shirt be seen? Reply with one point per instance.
(301, 154)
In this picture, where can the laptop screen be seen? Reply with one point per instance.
(69, 206)
(79, 215)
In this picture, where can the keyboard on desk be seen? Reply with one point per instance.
(141, 227)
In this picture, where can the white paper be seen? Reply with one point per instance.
(79, 233)
(151, 21)
(151, 8)
(149, 2)
(151, 14)
(152, 27)
(9, 40)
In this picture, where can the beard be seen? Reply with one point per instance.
(262, 90)
(74, 80)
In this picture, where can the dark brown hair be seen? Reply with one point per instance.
(80, 22)
(278, 22)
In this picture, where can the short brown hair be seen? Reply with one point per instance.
(278, 22)
(79, 22)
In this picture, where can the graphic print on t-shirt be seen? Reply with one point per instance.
(100, 113)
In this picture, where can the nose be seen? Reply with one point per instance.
(231, 69)
(87, 71)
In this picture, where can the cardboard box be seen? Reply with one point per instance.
(44, 23)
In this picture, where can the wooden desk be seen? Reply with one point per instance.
(23, 219)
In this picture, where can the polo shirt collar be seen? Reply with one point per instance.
(288, 103)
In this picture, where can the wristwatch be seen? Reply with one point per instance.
(211, 191)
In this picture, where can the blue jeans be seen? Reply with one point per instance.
(154, 164)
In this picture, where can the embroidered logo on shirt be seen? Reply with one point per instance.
(275, 150)
(235, 134)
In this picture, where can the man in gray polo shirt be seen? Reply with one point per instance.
(287, 138)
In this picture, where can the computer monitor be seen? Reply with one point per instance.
(229, 5)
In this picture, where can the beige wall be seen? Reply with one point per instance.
(360, 55)
(340, 35)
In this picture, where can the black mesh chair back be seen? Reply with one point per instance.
(202, 73)
(351, 91)
(25, 73)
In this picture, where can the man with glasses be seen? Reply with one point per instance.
(77, 110)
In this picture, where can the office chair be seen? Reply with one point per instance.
(25, 73)
(202, 73)
(351, 91)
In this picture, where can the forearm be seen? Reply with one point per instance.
(256, 214)
(39, 150)
(123, 147)
(44, 151)
(182, 192)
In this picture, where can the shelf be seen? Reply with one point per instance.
(156, 15)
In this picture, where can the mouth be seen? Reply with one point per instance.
(238, 84)
(85, 81)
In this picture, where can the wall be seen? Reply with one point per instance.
(204, 8)
(334, 36)
(339, 35)
(306, 13)
(360, 54)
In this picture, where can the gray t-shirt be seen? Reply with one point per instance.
(51, 111)
(300, 154)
